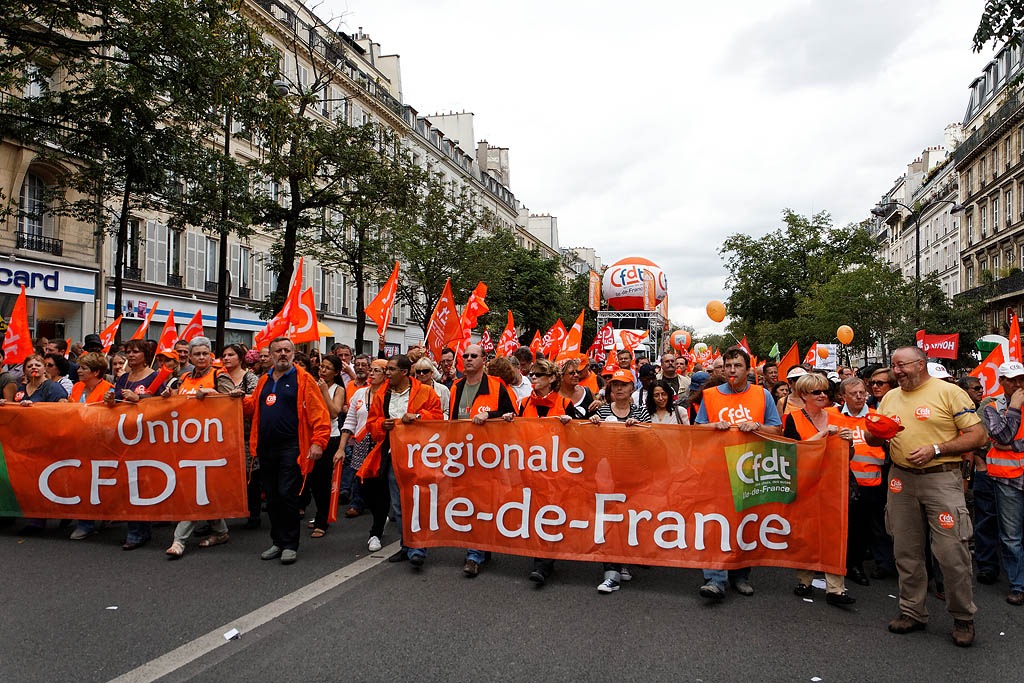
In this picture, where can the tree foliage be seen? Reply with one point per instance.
(1002, 21)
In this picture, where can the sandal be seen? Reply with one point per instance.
(213, 540)
(175, 551)
(311, 524)
(318, 533)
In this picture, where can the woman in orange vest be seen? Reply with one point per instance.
(544, 401)
(204, 379)
(570, 387)
(90, 387)
(811, 423)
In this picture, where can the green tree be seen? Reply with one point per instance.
(1002, 21)
(530, 286)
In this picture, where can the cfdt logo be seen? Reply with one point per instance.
(761, 472)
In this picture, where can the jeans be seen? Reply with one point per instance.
(477, 556)
(396, 510)
(282, 481)
(1010, 504)
(719, 576)
(986, 524)
(85, 525)
(350, 483)
(139, 532)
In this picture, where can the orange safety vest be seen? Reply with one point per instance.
(352, 387)
(190, 386)
(591, 383)
(804, 426)
(482, 403)
(735, 408)
(867, 461)
(1005, 464)
(556, 403)
(95, 396)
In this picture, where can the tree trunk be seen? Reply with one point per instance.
(223, 293)
(291, 232)
(119, 255)
(360, 278)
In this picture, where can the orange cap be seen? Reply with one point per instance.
(621, 375)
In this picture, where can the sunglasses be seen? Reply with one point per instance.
(877, 383)
(424, 371)
(819, 392)
(467, 356)
(539, 374)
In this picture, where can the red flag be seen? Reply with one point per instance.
(812, 354)
(18, 341)
(605, 339)
(444, 323)
(537, 344)
(744, 344)
(1015, 338)
(304, 324)
(141, 332)
(788, 360)
(485, 342)
(553, 339)
(332, 508)
(168, 336)
(573, 340)
(107, 335)
(475, 307)
(279, 324)
(631, 340)
(194, 327)
(379, 310)
(595, 291)
(508, 342)
(986, 372)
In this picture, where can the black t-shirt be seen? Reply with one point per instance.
(279, 416)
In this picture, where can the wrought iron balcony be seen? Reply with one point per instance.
(132, 273)
(211, 287)
(244, 293)
(173, 280)
(1007, 285)
(49, 245)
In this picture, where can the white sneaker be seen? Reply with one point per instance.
(626, 576)
(374, 544)
(608, 586)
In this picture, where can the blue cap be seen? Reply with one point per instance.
(698, 380)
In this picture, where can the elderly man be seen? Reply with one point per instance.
(986, 517)
(718, 368)
(867, 511)
(926, 493)
(1006, 471)
(736, 405)
(478, 397)
(670, 373)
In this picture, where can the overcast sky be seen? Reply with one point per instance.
(656, 129)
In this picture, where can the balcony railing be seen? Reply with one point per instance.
(211, 287)
(173, 280)
(1006, 285)
(133, 273)
(49, 245)
(1009, 112)
(244, 293)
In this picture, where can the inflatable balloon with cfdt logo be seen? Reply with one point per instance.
(623, 285)
(679, 340)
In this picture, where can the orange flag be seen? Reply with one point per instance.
(631, 340)
(379, 310)
(595, 291)
(18, 341)
(141, 332)
(67, 347)
(744, 344)
(279, 324)
(574, 340)
(552, 342)
(107, 335)
(1014, 338)
(537, 344)
(304, 324)
(986, 372)
(444, 323)
(791, 358)
(168, 336)
(194, 327)
(508, 342)
(812, 354)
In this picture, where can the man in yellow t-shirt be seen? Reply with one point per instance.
(940, 425)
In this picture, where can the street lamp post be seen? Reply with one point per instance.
(882, 210)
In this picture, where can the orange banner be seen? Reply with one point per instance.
(664, 495)
(162, 459)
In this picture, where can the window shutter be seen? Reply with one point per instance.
(200, 262)
(236, 273)
(161, 253)
(150, 263)
(191, 260)
(318, 289)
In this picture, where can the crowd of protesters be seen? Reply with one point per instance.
(305, 413)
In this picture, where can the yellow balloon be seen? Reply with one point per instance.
(716, 311)
(845, 334)
(822, 352)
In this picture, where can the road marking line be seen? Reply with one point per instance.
(193, 650)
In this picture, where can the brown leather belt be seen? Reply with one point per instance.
(944, 467)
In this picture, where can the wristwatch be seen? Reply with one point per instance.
(937, 451)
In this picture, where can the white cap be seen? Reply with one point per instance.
(1011, 369)
(795, 371)
(938, 371)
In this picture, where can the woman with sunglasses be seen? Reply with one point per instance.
(570, 388)
(57, 370)
(811, 423)
(425, 373)
(372, 491)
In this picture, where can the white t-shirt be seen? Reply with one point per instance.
(335, 431)
(523, 389)
(358, 411)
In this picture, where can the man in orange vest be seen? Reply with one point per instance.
(1005, 467)
(479, 397)
(867, 509)
(746, 407)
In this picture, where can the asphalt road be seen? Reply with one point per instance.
(392, 622)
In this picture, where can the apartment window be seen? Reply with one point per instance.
(970, 171)
(244, 259)
(995, 165)
(1009, 206)
(970, 276)
(174, 253)
(1021, 254)
(981, 173)
(211, 260)
(34, 85)
(302, 76)
(133, 245)
(995, 214)
(995, 265)
(1006, 154)
(1020, 141)
(984, 225)
(32, 216)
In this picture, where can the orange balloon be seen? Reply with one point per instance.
(822, 352)
(845, 334)
(716, 311)
(679, 340)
